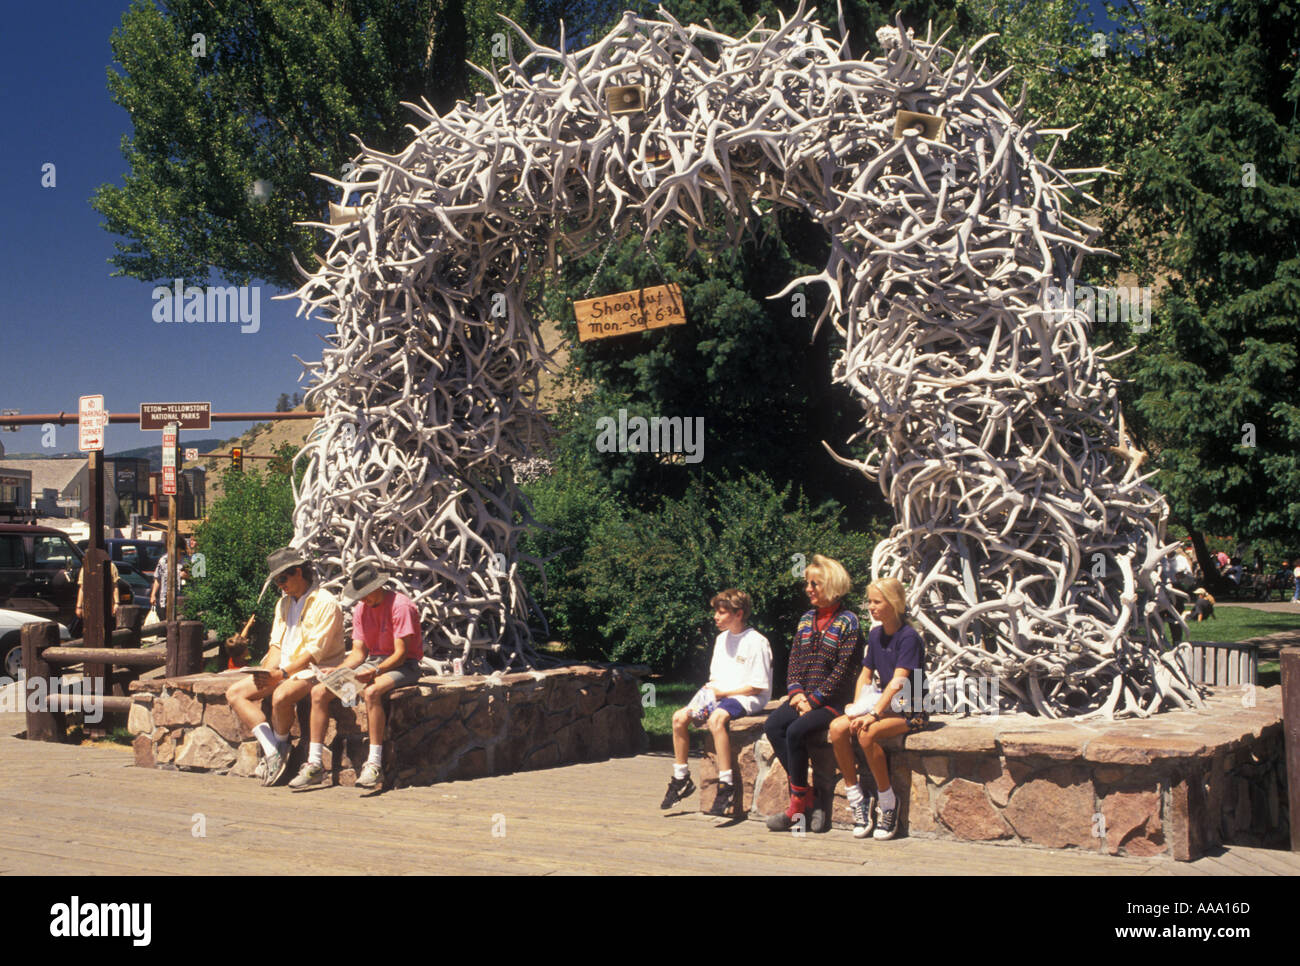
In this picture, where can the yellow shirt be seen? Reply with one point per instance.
(312, 624)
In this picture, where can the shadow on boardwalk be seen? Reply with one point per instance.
(583, 819)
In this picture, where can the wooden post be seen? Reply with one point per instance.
(92, 585)
(171, 557)
(1291, 731)
(130, 617)
(184, 648)
(42, 725)
(100, 622)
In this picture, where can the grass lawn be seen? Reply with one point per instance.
(657, 718)
(1231, 624)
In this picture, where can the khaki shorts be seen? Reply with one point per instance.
(404, 675)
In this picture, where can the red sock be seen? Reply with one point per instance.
(800, 800)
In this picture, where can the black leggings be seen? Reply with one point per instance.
(788, 730)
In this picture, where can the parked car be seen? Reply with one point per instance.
(11, 640)
(39, 567)
(141, 554)
(141, 586)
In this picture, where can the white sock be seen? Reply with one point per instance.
(316, 753)
(281, 740)
(681, 771)
(376, 756)
(725, 776)
(265, 737)
(855, 793)
(888, 799)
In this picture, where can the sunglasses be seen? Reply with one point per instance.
(282, 579)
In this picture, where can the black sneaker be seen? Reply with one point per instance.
(722, 805)
(862, 823)
(678, 788)
(886, 822)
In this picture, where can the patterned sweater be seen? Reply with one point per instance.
(824, 667)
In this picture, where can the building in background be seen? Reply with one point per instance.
(58, 488)
(197, 479)
(191, 494)
(129, 486)
(15, 495)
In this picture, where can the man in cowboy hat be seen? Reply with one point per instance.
(386, 649)
(308, 629)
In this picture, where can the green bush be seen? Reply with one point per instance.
(634, 585)
(567, 504)
(253, 517)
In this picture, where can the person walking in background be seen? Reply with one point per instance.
(159, 592)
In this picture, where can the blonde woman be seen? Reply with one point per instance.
(819, 682)
(895, 652)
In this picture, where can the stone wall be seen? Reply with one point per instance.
(1175, 784)
(444, 728)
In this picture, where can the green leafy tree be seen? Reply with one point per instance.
(253, 517)
(1218, 374)
(235, 103)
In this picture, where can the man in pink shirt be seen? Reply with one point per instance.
(386, 649)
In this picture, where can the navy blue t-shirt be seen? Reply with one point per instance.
(887, 653)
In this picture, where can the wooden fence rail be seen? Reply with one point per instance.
(107, 671)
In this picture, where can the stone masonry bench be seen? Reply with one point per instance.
(1176, 784)
(441, 729)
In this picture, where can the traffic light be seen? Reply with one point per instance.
(237, 458)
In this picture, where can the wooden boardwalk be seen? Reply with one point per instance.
(81, 811)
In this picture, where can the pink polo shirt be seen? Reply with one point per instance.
(395, 617)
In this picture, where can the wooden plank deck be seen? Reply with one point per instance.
(595, 819)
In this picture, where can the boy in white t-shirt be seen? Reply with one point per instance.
(740, 683)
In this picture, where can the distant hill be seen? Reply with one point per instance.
(154, 453)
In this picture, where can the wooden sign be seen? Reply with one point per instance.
(624, 312)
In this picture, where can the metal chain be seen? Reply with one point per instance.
(599, 265)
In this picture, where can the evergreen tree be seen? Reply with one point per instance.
(1214, 186)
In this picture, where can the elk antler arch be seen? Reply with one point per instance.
(1029, 554)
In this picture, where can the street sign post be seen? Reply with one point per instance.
(169, 460)
(170, 432)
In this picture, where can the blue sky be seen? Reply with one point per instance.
(66, 327)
